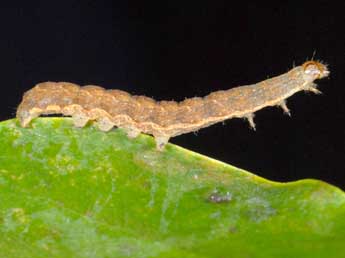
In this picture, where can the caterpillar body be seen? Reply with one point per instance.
(165, 119)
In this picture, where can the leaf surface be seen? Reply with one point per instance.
(71, 192)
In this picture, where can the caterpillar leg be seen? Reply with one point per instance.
(313, 88)
(132, 133)
(250, 118)
(80, 119)
(104, 124)
(161, 141)
(284, 107)
(78, 114)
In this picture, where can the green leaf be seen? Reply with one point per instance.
(71, 192)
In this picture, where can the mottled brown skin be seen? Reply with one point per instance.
(164, 119)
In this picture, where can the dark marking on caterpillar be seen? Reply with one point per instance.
(165, 119)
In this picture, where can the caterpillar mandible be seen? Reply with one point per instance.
(165, 119)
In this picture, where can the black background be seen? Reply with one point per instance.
(173, 51)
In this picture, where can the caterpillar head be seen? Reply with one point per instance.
(314, 70)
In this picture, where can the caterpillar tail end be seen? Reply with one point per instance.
(24, 117)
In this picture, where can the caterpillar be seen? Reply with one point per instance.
(165, 119)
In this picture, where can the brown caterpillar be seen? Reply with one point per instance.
(165, 119)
